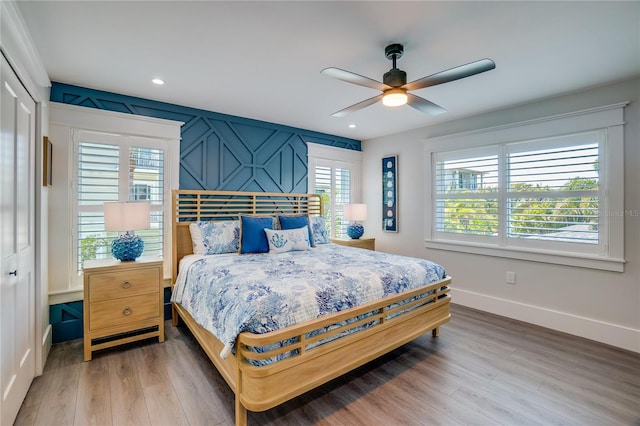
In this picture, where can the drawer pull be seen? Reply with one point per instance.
(126, 311)
(126, 284)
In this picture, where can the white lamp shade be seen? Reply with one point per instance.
(127, 216)
(355, 212)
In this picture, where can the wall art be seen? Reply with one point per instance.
(47, 162)
(390, 193)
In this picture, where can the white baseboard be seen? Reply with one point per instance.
(611, 334)
(47, 342)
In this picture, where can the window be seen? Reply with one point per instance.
(553, 193)
(549, 192)
(334, 184)
(463, 208)
(117, 168)
(554, 197)
(334, 172)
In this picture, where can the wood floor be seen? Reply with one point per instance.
(482, 370)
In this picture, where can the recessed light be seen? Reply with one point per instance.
(158, 81)
(352, 126)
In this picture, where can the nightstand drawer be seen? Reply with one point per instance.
(115, 312)
(115, 285)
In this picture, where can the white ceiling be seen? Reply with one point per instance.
(262, 60)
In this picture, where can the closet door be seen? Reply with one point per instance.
(17, 257)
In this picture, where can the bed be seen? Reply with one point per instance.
(275, 365)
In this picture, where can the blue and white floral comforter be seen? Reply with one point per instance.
(230, 293)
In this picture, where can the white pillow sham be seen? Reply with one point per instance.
(281, 241)
(215, 237)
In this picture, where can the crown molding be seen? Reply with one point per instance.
(20, 51)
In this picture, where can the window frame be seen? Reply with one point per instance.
(124, 143)
(327, 156)
(608, 119)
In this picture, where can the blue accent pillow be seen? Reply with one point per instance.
(295, 222)
(319, 230)
(252, 236)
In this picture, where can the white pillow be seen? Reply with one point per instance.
(283, 240)
(215, 237)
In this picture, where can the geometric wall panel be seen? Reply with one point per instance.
(66, 321)
(221, 151)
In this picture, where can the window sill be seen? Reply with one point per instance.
(556, 258)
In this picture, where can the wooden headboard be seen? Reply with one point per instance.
(190, 206)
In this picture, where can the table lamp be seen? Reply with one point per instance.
(355, 213)
(127, 217)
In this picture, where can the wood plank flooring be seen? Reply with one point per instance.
(482, 370)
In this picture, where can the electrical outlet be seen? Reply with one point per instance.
(511, 277)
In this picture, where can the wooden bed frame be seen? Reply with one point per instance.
(259, 388)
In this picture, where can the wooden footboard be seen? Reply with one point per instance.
(388, 327)
(314, 359)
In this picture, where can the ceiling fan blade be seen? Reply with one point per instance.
(354, 78)
(358, 106)
(424, 105)
(452, 74)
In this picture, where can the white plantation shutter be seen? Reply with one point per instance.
(529, 194)
(553, 191)
(466, 192)
(335, 185)
(548, 190)
(119, 171)
(322, 180)
(98, 182)
(342, 195)
(146, 183)
(335, 174)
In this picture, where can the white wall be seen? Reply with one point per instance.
(599, 305)
(18, 48)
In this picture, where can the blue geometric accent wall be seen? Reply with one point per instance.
(220, 151)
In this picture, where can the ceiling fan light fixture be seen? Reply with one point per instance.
(394, 97)
(394, 87)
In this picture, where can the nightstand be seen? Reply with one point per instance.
(365, 243)
(123, 302)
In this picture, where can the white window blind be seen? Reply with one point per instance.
(98, 182)
(553, 192)
(550, 189)
(334, 183)
(335, 173)
(522, 194)
(117, 172)
(466, 192)
(146, 183)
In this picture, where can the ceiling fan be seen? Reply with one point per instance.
(395, 87)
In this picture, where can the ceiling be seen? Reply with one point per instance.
(262, 60)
